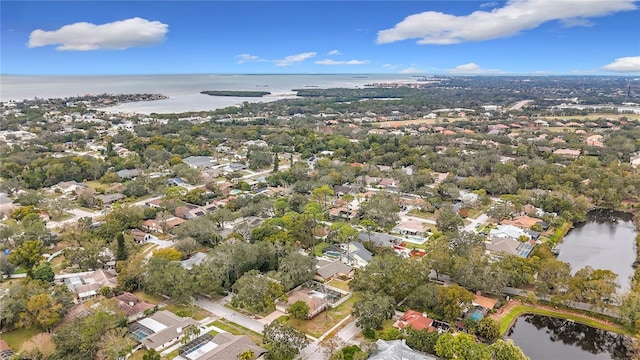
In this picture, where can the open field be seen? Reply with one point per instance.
(17, 337)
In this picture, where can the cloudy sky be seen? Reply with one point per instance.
(432, 37)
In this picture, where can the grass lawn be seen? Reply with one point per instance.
(191, 311)
(56, 264)
(507, 320)
(325, 320)
(137, 355)
(171, 355)
(236, 329)
(421, 214)
(17, 337)
(317, 250)
(342, 285)
(148, 298)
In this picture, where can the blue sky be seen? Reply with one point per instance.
(433, 37)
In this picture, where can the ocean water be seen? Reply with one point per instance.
(183, 90)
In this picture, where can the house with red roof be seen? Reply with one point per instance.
(415, 320)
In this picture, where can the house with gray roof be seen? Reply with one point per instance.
(223, 346)
(357, 255)
(327, 269)
(380, 239)
(128, 173)
(397, 350)
(160, 330)
(200, 162)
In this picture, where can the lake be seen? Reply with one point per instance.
(546, 338)
(606, 240)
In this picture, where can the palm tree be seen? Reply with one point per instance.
(247, 355)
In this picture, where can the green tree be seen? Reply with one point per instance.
(630, 310)
(488, 329)
(298, 310)
(461, 346)
(247, 355)
(285, 341)
(170, 254)
(391, 275)
(323, 195)
(27, 255)
(276, 163)
(373, 309)
(296, 269)
(452, 300)
(44, 272)
(151, 354)
(115, 343)
(382, 208)
(255, 292)
(506, 350)
(422, 340)
(593, 286)
(121, 249)
(447, 221)
(553, 275)
(42, 310)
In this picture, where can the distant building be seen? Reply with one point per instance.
(160, 330)
(397, 350)
(200, 162)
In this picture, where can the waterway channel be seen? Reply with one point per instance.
(606, 240)
(546, 338)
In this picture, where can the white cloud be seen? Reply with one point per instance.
(292, 59)
(341, 62)
(244, 58)
(390, 66)
(334, 52)
(117, 35)
(624, 64)
(473, 68)
(433, 27)
(489, 4)
(411, 70)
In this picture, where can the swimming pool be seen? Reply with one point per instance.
(333, 254)
(139, 334)
(476, 315)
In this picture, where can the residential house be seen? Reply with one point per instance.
(223, 346)
(497, 247)
(128, 173)
(342, 213)
(133, 308)
(568, 153)
(160, 330)
(412, 228)
(87, 286)
(380, 239)
(160, 226)
(109, 198)
(487, 304)
(190, 211)
(312, 298)
(68, 187)
(142, 237)
(200, 162)
(389, 184)
(523, 222)
(509, 231)
(356, 255)
(176, 182)
(415, 320)
(327, 270)
(397, 350)
(595, 140)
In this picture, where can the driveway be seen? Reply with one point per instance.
(480, 220)
(218, 309)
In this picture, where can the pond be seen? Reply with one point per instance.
(606, 240)
(545, 338)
